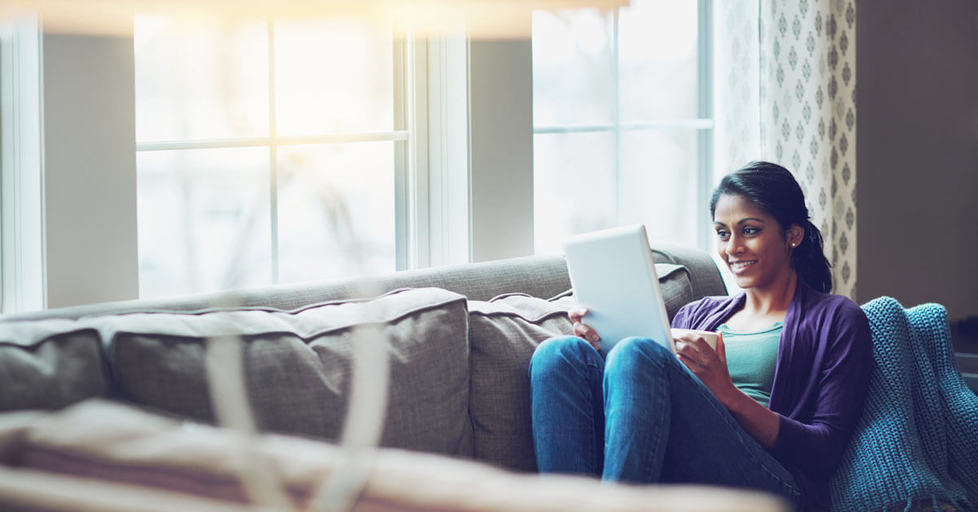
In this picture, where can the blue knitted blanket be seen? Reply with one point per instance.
(917, 439)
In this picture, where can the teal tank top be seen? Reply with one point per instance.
(751, 357)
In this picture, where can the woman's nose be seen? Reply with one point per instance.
(734, 245)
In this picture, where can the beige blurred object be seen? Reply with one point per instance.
(45, 491)
(118, 444)
(484, 19)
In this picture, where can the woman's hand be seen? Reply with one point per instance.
(582, 329)
(709, 365)
(711, 368)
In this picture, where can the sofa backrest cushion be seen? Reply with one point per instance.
(298, 363)
(49, 364)
(539, 276)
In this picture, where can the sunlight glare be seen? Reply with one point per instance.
(660, 30)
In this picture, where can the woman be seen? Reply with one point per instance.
(771, 409)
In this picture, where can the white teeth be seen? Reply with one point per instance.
(742, 264)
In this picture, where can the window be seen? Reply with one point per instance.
(270, 151)
(622, 114)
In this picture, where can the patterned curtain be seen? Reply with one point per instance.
(785, 81)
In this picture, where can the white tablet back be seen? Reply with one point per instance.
(614, 277)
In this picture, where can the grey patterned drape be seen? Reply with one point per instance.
(785, 81)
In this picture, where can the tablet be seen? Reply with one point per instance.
(613, 276)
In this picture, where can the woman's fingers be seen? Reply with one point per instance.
(588, 334)
(576, 314)
(585, 331)
(581, 329)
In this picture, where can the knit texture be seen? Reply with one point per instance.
(917, 438)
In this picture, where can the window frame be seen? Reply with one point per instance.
(22, 277)
(422, 184)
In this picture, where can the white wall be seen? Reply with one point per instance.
(89, 169)
(501, 148)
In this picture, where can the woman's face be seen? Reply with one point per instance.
(752, 243)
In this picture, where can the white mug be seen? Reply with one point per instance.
(709, 336)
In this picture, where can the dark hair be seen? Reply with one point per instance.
(773, 189)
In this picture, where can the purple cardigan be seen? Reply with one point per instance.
(820, 379)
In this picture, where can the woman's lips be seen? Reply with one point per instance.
(741, 266)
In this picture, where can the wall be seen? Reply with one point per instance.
(917, 159)
(89, 169)
(501, 149)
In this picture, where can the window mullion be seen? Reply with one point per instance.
(616, 72)
(273, 153)
(442, 119)
(704, 136)
(405, 225)
(23, 267)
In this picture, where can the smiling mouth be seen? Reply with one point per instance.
(741, 265)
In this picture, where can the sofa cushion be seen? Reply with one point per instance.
(297, 364)
(101, 445)
(49, 364)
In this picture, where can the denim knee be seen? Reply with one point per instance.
(635, 348)
(557, 352)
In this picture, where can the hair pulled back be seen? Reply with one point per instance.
(773, 189)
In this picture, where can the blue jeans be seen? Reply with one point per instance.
(640, 416)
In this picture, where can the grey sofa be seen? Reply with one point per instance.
(460, 338)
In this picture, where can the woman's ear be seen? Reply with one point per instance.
(795, 236)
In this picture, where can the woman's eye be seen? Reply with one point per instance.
(751, 231)
(722, 235)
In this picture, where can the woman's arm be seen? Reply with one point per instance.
(757, 420)
(817, 443)
(710, 366)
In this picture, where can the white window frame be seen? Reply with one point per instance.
(21, 200)
(435, 174)
(430, 120)
(412, 230)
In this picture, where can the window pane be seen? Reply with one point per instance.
(336, 210)
(333, 76)
(573, 67)
(657, 41)
(659, 184)
(203, 220)
(200, 80)
(573, 186)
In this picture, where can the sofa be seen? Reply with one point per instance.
(127, 378)
(99, 392)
